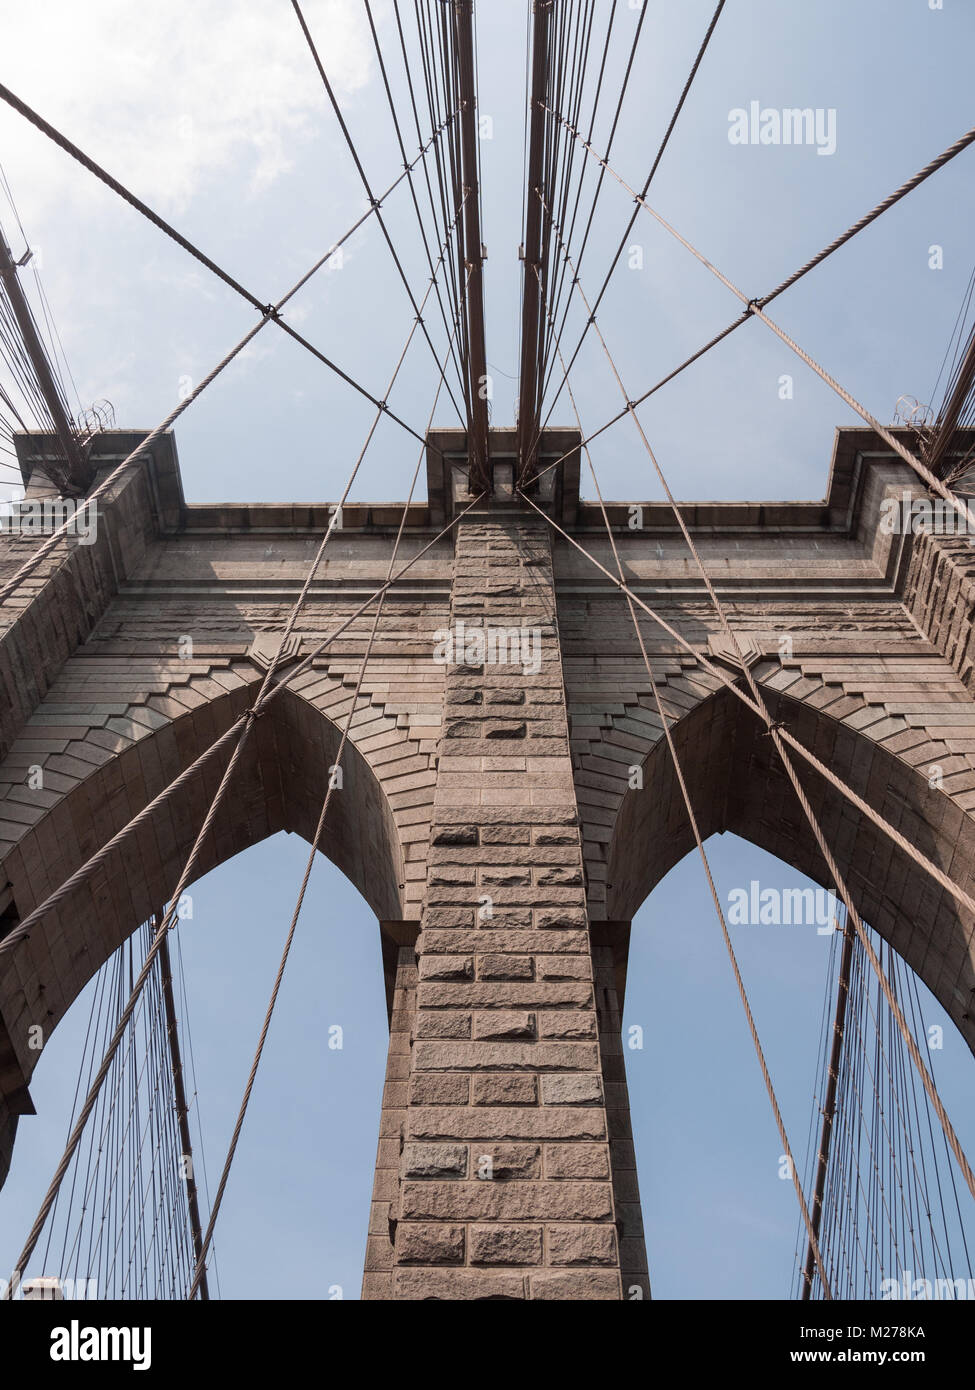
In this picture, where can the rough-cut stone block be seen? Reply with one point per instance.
(447, 968)
(503, 1161)
(423, 1244)
(504, 967)
(562, 967)
(504, 1089)
(438, 1088)
(506, 1201)
(571, 1090)
(558, 877)
(508, 1122)
(576, 1161)
(576, 1286)
(434, 1161)
(463, 1284)
(499, 1024)
(581, 1245)
(505, 1056)
(442, 1023)
(448, 918)
(456, 835)
(550, 918)
(506, 1245)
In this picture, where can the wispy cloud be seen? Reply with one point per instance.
(167, 95)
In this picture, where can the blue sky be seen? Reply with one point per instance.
(214, 115)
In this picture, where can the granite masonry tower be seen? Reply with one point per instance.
(507, 800)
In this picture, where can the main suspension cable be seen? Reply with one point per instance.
(774, 733)
(692, 819)
(915, 181)
(200, 1272)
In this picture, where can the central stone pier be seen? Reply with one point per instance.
(506, 1168)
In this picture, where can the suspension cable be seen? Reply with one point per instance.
(268, 313)
(188, 868)
(144, 817)
(915, 181)
(199, 1277)
(755, 307)
(685, 794)
(774, 733)
(88, 163)
(416, 205)
(372, 198)
(705, 42)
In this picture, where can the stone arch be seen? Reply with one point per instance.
(736, 783)
(109, 771)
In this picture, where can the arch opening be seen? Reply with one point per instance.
(294, 1220)
(736, 784)
(279, 786)
(721, 1219)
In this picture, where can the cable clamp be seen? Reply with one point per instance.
(753, 306)
(773, 728)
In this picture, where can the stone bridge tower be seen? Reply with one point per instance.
(489, 812)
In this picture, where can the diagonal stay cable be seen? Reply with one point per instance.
(200, 1271)
(144, 817)
(372, 198)
(271, 312)
(784, 740)
(70, 148)
(187, 872)
(22, 930)
(908, 186)
(755, 703)
(88, 163)
(752, 306)
(932, 870)
(268, 313)
(773, 731)
(685, 794)
(756, 307)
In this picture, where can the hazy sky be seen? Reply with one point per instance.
(214, 114)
